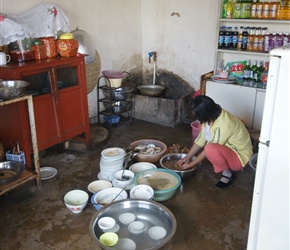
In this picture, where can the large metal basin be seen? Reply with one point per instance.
(151, 90)
(12, 88)
(10, 171)
(119, 94)
(150, 213)
(169, 162)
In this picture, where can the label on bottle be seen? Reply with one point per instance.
(237, 10)
(246, 10)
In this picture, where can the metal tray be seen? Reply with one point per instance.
(150, 213)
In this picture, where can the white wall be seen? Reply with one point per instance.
(183, 33)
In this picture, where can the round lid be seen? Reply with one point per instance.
(67, 36)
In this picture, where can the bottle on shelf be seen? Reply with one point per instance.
(259, 10)
(247, 70)
(253, 69)
(272, 41)
(244, 39)
(256, 39)
(227, 41)
(235, 38)
(253, 10)
(265, 10)
(239, 46)
(246, 9)
(221, 40)
(279, 40)
(250, 41)
(259, 71)
(262, 40)
(267, 42)
(237, 9)
(273, 10)
(264, 76)
(229, 9)
(224, 9)
(286, 38)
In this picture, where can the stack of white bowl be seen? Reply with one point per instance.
(111, 161)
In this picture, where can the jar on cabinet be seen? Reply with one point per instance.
(50, 46)
(38, 50)
(67, 46)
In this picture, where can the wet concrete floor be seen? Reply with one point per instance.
(207, 218)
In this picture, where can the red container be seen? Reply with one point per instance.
(196, 128)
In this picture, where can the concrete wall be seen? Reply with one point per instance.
(123, 31)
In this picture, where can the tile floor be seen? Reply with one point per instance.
(207, 218)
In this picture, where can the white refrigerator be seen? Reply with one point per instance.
(269, 222)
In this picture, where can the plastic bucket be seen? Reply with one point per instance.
(195, 129)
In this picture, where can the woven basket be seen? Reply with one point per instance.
(93, 72)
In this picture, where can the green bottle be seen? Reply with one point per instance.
(224, 9)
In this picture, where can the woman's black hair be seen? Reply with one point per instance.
(205, 109)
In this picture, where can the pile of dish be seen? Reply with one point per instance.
(111, 161)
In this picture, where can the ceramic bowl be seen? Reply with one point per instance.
(76, 200)
(109, 239)
(106, 196)
(142, 192)
(125, 243)
(127, 218)
(157, 232)
(113, 154)
(106, 223)
(146, 157)
(98, 185)
(141, 166)
(122, 182)
(163, 181)
(136, 227)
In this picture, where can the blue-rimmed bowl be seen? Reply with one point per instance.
(164, 182)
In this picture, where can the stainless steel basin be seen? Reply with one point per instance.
(151, 90)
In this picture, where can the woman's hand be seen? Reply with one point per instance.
(186, 166)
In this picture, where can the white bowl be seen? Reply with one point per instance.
(157, 232)
(106, 196)
(76, 200)
(113, 154)
(123, 183)
(142, 191)
(127, 218)
(141, 166)
(98, 185)
(125, 244)
(106, 223)
(136, 227)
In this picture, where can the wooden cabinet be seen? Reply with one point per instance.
(59, 91)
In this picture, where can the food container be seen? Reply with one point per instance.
(67, 46)
(50, 46)
(20, 50)
(163, 181)
(38, 50)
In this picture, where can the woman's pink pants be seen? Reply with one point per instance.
(222, 157)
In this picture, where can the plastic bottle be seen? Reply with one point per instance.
(264, 75)
(235, 38)
(267, 42)
(254, 10)
(262, 40)
(250, 42)
(227, 38)
(256, 39)
(286, 38)
(239, 46)
(244, 39)
(272, 41)
(221, 40)
(265, 10)
(224, 9)
(229, 9)
(279, 40)
(237, 9)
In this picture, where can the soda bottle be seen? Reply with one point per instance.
(250, 42)
(221, 40)
(279, 40)
(224, 10)
(256, 39)
(239, 47)
(258, 72)
(265, 10)
(272, 41)
(267, 42)
(244, 39)
(237, 9)
(264, 76)
(235, 38)
(227, 38)
(229, 9)
(262, 40)
(253, 10)
(286, 38)
(259, 10)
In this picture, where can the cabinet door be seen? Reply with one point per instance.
(259, 107)
(71, 102)
(236, 99)
(45, 110)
